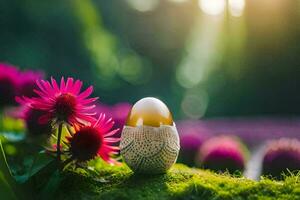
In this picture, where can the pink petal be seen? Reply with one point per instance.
(62, 84)
(69, 84)
(111, 133)
(41, 87)
(86, 93)
(54, 84)
(77, 87)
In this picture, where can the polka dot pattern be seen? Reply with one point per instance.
(150, 150)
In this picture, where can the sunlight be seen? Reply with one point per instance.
(236, 7)
(195, 67)
(212, 7)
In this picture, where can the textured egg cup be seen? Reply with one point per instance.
(150, 150)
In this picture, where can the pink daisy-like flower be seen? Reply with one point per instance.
(62, 103)
(94, 140)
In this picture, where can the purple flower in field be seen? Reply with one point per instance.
(281, 156)
(192, 135)
(9, 76)
(118, 112)
(222, 153)
(254, 131)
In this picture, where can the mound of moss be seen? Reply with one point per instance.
(181, 182)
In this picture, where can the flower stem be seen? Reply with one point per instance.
(58, 151)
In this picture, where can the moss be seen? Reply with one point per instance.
(106, 182)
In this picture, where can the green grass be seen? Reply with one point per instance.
(181, 182)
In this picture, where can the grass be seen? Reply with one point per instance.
(181, 182)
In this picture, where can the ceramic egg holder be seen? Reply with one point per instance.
(150, 150)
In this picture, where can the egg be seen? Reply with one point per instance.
(149, 141)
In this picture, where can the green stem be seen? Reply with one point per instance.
(6, 179)
(58, 151)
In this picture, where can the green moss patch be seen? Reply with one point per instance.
(181, 182)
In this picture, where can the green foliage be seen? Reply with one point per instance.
(105, 182)
(7, 183)
(12, 125)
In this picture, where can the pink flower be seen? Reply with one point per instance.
(9, 76)
(94, 140)
(223, 153)
(192, 136)
(62, 103)
(281, 156)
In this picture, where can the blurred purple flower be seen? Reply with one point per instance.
(14, 82)
(254, 131)
(281, 156)
(118, 112)
(222, 153)
(9, 76)
(27, 83)
(192, 135)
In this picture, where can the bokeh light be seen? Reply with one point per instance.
(212, 7)
(143, 6)
(236, 7)
(194, 104)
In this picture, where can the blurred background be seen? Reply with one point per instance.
(204, 58)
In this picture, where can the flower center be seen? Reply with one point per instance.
(86, 143)
(65, 106)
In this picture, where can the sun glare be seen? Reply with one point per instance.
(212, 7)
(236, 7)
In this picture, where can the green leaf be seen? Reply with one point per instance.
(49, 191)
(6, 190)
(41, 172)
(40, 162)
